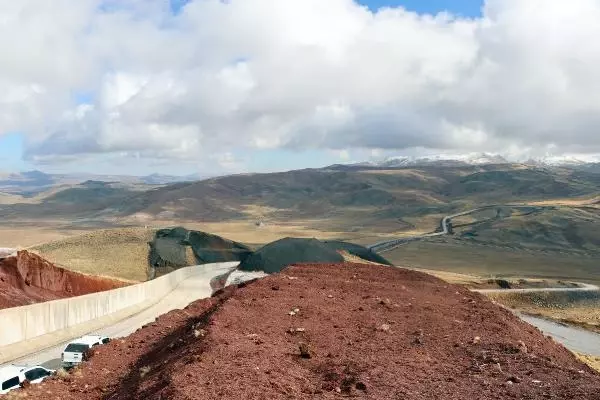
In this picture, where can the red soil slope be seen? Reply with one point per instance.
(332, 331)
(27, 278)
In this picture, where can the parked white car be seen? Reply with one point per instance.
(13, 376)
(75, 352)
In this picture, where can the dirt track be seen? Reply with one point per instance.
(369, 332)
(27, 278)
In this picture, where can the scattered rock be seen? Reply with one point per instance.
(304, 350)
(361, 386)
(199, 333)
(144, 371)
(514, 379)
(476, 340)
(275, 287)
(384, 328)
(522, 347)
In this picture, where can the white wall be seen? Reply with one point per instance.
(22, 323)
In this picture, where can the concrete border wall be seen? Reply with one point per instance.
(27, 322)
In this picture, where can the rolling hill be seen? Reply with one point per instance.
(344, 195)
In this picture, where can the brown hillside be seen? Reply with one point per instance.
(27, 278)
(331, 331)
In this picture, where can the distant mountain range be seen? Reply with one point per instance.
(33, 182)
(447, 160)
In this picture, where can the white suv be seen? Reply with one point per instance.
(13, 376)
(76, 351)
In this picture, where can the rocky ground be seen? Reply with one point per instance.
(332, 331)
(27, 278)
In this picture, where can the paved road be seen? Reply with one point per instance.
(389, 245)
(189, 290)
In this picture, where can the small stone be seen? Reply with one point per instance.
(476, 340)
(522, 347)
(338, 390)
(514, 379)
(330, 296)
(275, 287)
(384, 328)
(304, 350)
(536, 381)
(199, 333)
(360, 386)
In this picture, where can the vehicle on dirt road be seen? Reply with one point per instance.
(15, 376)
(77, 350)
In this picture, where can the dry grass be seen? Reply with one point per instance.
(582, 201)
(355, 259)
(31, 236)
(248, 232)
(451, 277)
(586, 316)
(121, 253)
(592, 361)
(494, 262)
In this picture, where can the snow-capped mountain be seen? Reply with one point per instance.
(438, 160)
(562, 161)
(479, 159)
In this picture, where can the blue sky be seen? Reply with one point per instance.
(12, 145)
(465, 8)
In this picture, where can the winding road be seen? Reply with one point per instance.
(445, 226)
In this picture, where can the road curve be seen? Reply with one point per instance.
(388, 245)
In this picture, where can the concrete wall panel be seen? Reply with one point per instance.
(21, 323)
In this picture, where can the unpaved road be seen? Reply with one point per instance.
(192, 289)
(584, 287)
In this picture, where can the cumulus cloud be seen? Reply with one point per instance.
(299, 74)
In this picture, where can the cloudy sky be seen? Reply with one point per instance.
(211, 86)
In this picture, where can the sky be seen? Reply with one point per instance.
(213, 87)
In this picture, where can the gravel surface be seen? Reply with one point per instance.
(332, 331)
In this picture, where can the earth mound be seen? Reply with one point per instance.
(331, 331)
(277, 255)
(27, 278)
(357, 250)
(121, 253)
(174, 248)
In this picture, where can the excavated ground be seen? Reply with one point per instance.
(27, 278)
(332, 331)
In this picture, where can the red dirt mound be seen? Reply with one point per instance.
(27, 278)
(331, 331)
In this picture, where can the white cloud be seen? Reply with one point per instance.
(245, 74)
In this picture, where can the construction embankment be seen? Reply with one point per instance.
(327, 332)
(26, 278)
(46, 324)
